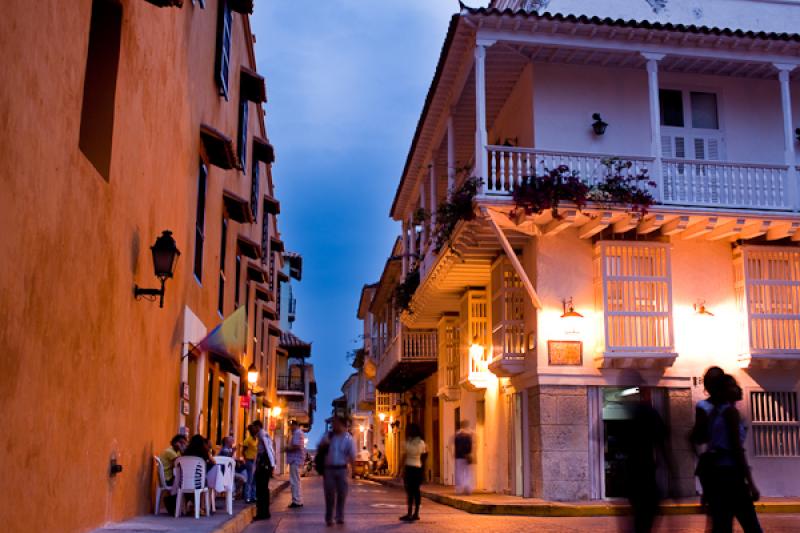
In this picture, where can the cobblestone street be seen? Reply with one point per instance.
(376, 508)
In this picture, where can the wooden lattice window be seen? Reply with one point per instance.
(776, 428)
(634, 288)
(448, 336)
(508, 311)
(768, 294)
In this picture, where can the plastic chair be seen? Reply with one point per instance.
(162, 488)
(190, 478)
(228, 484)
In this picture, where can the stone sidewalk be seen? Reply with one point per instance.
(220, 522)
(502, 504)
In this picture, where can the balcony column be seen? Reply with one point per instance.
(451, 156)
(481, 161)
(412, 244)
(423, 204)
(433, 200)
(404, 242)
(784, 70)
(655, 122)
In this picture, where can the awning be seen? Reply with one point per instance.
(245, 7)
(216, 148)
(226, 342)
(276, 244)
(263, 151)
(271, 205)
(238, 208)
(251, 86)
(256, 273)
(269, 313)
(274, 330)
(249, 248)
(282, 277)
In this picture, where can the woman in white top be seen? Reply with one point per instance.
(415, 458)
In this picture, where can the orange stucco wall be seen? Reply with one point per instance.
(87, 370)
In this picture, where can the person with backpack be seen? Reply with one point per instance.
(731, 488)
(335, 453)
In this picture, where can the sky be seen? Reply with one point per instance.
(346, 82)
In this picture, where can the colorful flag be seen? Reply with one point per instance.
(228, 338)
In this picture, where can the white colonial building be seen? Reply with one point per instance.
(702, 95)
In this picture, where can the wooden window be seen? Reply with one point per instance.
(254, 186)
(768, 295)
(776, 426)
(634, 287)
(224, 31)
(222, 246)
(671, 104)
(100, 85)
(508, 304)
(236, 288)
(265, 242)
(200, 222)
(244, 110)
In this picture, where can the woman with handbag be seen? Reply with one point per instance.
(415, 455)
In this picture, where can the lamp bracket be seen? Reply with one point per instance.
(150, 294)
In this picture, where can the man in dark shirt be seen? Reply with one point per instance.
(463, 449)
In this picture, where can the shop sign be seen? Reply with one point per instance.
(565, 353)
(244, 402)
(185, 391)
(185, 407)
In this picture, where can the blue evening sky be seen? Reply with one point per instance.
(346, 82)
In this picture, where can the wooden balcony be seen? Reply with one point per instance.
(681, 182)
(408, 359)
(290, 385)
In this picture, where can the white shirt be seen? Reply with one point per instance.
(414, 450)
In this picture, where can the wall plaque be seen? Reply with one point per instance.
(565, 353)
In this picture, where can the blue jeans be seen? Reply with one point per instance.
(250, 486)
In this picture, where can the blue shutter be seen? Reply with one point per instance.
(224, 46)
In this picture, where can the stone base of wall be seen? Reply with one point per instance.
(680, 418)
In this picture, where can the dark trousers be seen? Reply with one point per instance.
(412, 480)
(335, 483)
(728, 498)
(262, 491)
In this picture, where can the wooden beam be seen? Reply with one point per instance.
(595, 226)
(625, 224)
(558, 225)
(699, 228)
(755, 230)
(726, 230)
(650, 224)
(512, 257)
(782, 231)
(675, 226)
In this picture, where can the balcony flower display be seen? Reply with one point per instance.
(405, 290)
(450, 213)
(622, 185)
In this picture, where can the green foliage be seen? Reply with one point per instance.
(405, 290)
(537, 194)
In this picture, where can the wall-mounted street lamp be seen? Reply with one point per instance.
(569, 309)
(276, 411)
(599, 126)
(252, 375)
(382, 416)
(700, 308)
(476, 350)
(165, 255)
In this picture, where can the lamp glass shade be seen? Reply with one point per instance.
(276, 411)
(382, 416)
(476, 351)
(252, 374)
(165, 255)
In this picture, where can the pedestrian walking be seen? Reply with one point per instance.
(339, 452)
(415, 454)
(295, 454)
(250, 452)
(265, 464)
(377, 458)
(700, 435)
(464, 458)
(732, 489)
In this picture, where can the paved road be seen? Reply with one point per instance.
(375, 508)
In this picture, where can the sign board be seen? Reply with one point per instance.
(244, 402)
(185, 407)
(565, 353)
(185, 391)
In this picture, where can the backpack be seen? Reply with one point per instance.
(322, 454)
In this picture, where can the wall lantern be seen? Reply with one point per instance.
(276, 411)
(476, 350)
(361, 428)
(599, 126)
(569, 309)
(252, 374)
(165, 255)
(382, 416)
(700, 308)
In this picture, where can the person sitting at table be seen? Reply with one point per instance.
(227, 448)
(199, 446)
(167, 457)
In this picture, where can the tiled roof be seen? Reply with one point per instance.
(292, 344)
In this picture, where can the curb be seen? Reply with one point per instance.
(244, 518)
(555, 509)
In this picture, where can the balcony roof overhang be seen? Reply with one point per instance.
(389, 279)
(521, 38)
(770, 361)
(364, 301)
(404, 375)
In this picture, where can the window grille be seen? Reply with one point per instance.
(776, 429)
(508, 303)
(244, 111)
(265, 244)
(634, 283)
(254, 185)
(768, 294)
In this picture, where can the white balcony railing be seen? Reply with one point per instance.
(682, 181)
(408, 346)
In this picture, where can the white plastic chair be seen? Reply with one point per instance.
(190, 478)
(228, 482)
(162, 489)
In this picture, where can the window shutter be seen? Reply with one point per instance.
(673, 146)
(224, 29)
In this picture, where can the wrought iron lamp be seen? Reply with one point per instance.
(252, 375)
(569, 309)
(165, 255)
(700, 308)
(599, 126)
